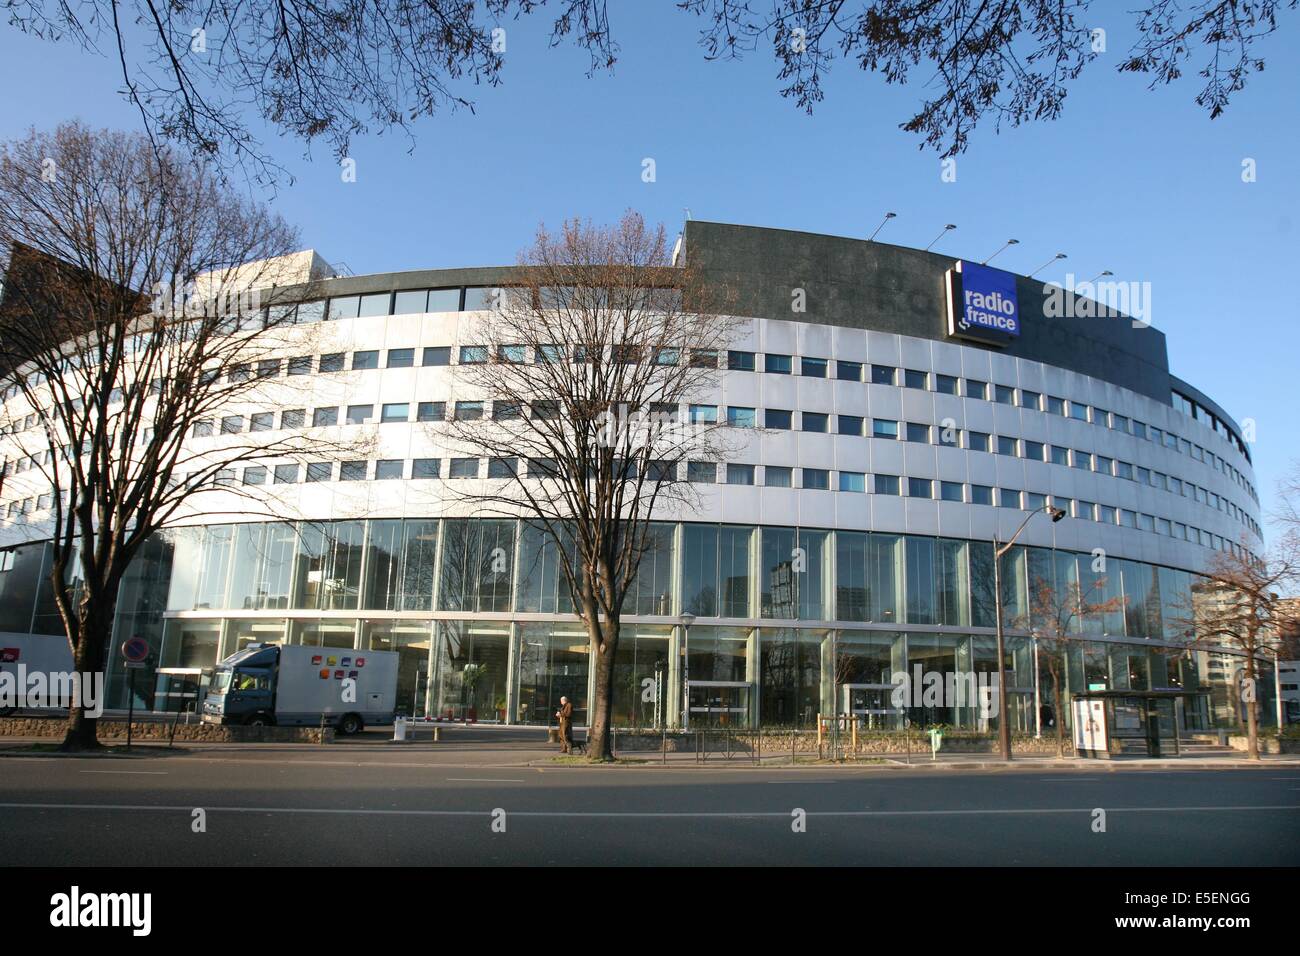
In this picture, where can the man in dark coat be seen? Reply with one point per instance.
(565, 715)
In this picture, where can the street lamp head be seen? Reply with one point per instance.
(1056, 513)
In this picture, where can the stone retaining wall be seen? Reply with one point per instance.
(115, 730)
(776, 742)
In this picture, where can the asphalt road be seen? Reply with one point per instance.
(304, 809)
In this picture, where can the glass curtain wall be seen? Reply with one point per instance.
(472, 670)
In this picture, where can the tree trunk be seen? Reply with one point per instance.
(93, 632)
(1060, 716)
(602, 705)
(1252, 719)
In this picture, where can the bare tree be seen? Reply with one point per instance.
(110, 391)
(1238, 605)
(339, 68)
(587, 358)
(1011, 61)
(1056, 617)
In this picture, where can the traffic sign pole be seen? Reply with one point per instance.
(135, 651)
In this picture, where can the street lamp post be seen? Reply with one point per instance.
(1004, 728)
(686, 619)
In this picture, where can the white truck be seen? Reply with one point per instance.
(292, 686)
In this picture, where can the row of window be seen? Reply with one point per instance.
(733, 473)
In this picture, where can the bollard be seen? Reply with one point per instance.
(936, 741)
(437, 734)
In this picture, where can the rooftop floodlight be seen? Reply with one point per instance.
(888, 216)
(946, 229)
(1059, 255)
(1009, 242)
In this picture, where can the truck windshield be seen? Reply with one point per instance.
(220, 682)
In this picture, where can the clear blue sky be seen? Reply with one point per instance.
(1139, 182)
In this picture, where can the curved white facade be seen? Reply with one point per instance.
(839, 430)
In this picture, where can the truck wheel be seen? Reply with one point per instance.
(258, 720)
(350, 724)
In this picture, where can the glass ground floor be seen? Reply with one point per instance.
(508, 671)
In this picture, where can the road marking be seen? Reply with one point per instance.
(481, 780)
(153, 773)
(635, 814)
(1070, 780)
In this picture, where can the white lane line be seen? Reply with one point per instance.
(151, 773)
(481, 780)
(635, 814)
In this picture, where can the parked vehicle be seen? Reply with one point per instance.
(291, 686)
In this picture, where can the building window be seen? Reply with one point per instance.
(777, 364)
(912, 378)
(816, 479)
(261, 421)
(286, 474)
(1008, 498)
(918, 433)
(775, 476)
(853, 481)
(981, 495)
(426, 467)
(977, 441)
(463, 468)
(883, 428)
(740, 417)
(740, 474)
(701, 472)
(1006, 446)
(255, 475)
(977, 389)
(703, 414)
(268, 368)
(431, 411)
(300, 365)
(360, 414)
(364, 361)
(507, 411)
(469, 411)
(848, 371)
(320, 471)
(333, 362)
(389, 469)
(777, 418)
(473, 354)
(1004, 394)
(812, 367)
(950, 491)
(851, 424)
(1030, 399)
(740, 361)
(703, 358)
(293, 418)
(1060, 456)
(409, 302)
(882, 374)
(503, 467)
(920, 488)
(886, 484)
(377, 303)
(201, 429)
(1079, 411)
(401, 358)
(436, 355)
(945, 384)
(1035, 450)
(816, 422)
(1035, 501)
(1082, 460)
(232, 424)
(394, 412)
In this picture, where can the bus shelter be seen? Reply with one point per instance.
(1126, 723)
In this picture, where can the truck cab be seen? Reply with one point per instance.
(243, 688)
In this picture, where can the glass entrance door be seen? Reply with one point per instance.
(719, 704)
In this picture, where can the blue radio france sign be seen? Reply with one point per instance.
(982, 303)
